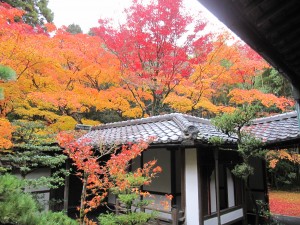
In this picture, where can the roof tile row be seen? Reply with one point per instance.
(176, 127)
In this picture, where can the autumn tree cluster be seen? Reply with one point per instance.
(159, 60)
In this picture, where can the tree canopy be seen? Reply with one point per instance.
(37, 11)
(159, 60)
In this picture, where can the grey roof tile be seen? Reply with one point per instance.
(276, 128)
(176, 127)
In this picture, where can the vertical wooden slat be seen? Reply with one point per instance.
(216, 157)
(175, 216)
(182, 151)
(67, 187)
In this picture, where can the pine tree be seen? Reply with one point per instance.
(35, 148)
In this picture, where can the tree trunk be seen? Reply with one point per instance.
(82, 199)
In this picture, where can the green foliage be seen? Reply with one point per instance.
(128, 199)
(271, 81)
(35, 148)
(284, 175)
(216, 141)
(55, 218)
(7, 73)
(243, 171)
(226, 63)
(16, 207)
(1, 93)
(133, 218)
(74, 29)
(37, 11)
(248, 146)
(232, 123)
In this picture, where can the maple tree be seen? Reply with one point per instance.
(153, 47)
(127, 185)
(283, 168)
(98, 177)
(59, 78)
(224, 80)
(94, 178)
(196, 93)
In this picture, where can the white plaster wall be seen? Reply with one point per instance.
(231, 216)
(162, 183)
(226, 218)
(191, 187)
(157, 204)
(43, 198)
(230, 189)
(213, 197)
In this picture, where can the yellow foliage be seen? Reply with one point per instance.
(133, 112)
(63, 123)
(90, 122)
(179, 103)
(240, 96)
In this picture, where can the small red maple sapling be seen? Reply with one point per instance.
(98, 177)
(94, 177)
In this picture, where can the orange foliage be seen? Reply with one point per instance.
(57, 77)
(5, 134)
(61, 77)
(225, 64)
(274, 156)
(98, 178)
(239, 96)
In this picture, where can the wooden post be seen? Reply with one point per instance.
(174, 216)
(66, 189)
(216, 156)
(117, 207)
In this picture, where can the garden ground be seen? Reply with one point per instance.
(285, 203)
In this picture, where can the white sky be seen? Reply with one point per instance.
(86, 13)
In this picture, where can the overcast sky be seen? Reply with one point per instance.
(86, 13)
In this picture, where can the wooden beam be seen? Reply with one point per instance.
(67, 187)
(216, 157)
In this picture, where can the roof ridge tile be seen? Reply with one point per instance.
(150, 119)
(274, 118)
(187, 127)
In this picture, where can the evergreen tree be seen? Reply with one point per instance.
(35, 148)
(271, 81)
(6, 74)
(249, 147)
(17, 207)
(37, 11)
(74, 29)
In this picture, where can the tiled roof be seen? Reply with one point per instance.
(170, 128)
(274, 129)
(176, 128)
